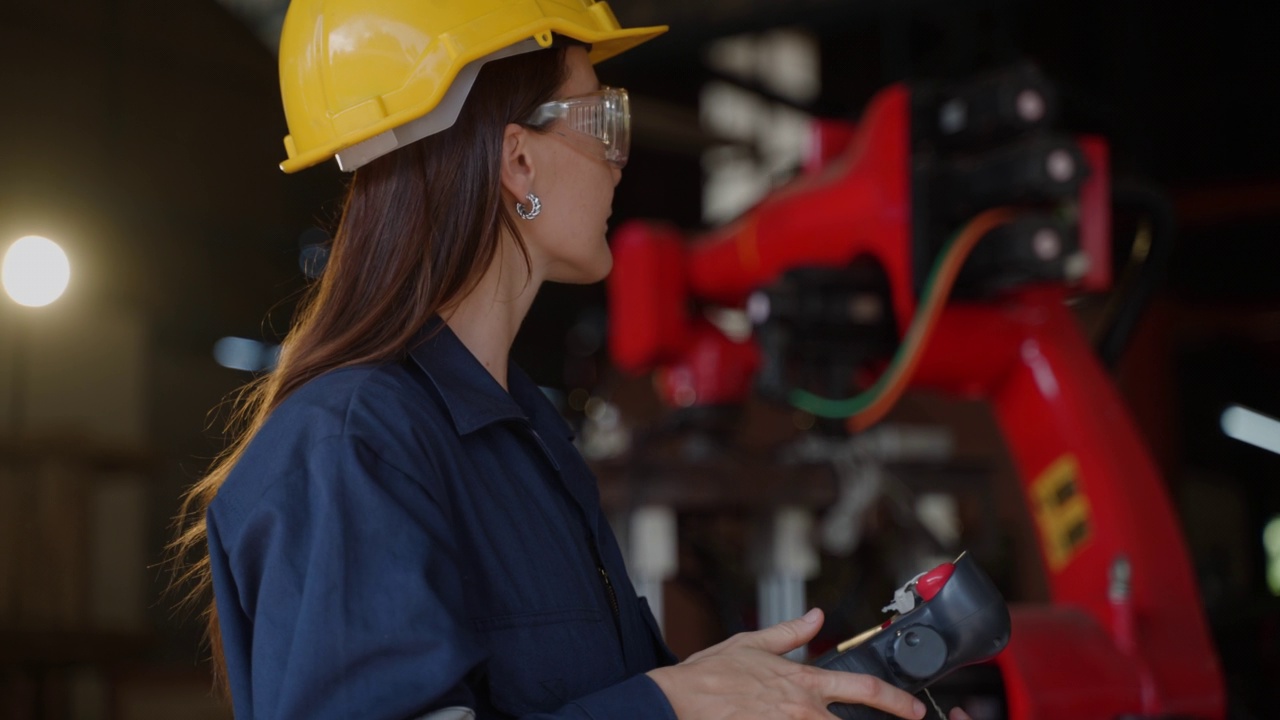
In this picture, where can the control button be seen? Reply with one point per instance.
(919, 652)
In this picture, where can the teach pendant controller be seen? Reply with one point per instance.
(944, 619)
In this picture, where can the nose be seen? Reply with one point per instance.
(617, 175)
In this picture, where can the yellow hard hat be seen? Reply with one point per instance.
(359, 78)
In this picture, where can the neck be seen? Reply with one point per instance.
(487, 319)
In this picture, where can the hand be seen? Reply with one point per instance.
(744, 678)
(958, 714)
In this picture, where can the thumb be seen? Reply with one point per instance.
(787, 636)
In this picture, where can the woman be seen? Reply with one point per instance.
(405, 529)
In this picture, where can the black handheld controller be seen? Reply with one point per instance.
(947, 618)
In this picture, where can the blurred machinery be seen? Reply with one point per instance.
(936, 245)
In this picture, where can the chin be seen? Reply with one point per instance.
(604, 267)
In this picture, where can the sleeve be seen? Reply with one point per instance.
(638, 698)
(349, 573)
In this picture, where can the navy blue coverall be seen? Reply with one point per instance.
(409, 537)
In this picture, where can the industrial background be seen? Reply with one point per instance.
(144, 136)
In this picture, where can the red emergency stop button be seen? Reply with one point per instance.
(930, 584)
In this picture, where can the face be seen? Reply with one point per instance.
(575, 183)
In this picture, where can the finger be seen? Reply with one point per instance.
(785, 636)
(869, 690)
(958, 714)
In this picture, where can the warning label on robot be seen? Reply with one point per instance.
(1062, 512)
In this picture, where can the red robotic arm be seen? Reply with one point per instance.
(851, 253)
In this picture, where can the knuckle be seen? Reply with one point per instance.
(809, 679)
(864, 687)
(881, 690)
(790, 710)
(800, 711)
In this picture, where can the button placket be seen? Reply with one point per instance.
(592, 538)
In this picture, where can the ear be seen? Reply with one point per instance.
(518, 168)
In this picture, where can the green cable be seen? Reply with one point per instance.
(848, 407)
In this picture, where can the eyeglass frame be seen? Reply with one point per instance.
(614, 104)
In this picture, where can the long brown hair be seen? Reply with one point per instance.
(418, 228)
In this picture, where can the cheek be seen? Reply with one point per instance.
(582, 194)
(602, 188)
(590, 201)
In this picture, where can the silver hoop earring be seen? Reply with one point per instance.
(535, 207)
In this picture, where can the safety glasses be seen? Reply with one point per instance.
(604, 115)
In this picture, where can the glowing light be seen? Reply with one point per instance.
(1271, 541)
(35, 271)
(239, 353)
(1251, 426)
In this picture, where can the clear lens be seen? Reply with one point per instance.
(604, 115)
